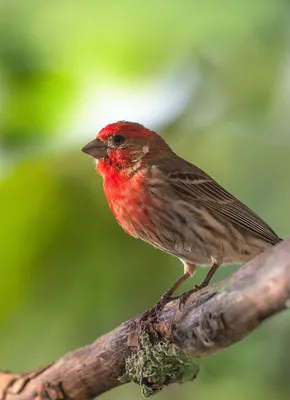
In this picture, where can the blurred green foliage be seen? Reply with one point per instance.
(213, 78)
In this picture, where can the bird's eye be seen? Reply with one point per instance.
(118, 140)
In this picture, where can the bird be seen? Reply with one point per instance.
(173, 205)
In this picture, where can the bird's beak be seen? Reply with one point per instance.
(96, 148)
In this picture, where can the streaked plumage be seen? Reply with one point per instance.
(173, 205)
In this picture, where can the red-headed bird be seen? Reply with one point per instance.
(173, 205)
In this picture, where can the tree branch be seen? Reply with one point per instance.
(211, 320)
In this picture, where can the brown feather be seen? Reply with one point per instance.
(191, 183)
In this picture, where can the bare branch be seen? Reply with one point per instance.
(211, 320)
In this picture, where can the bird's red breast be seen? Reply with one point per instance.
(128, 198)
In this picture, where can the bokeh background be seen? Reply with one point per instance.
(213, 77)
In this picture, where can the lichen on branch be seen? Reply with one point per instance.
(156, 364)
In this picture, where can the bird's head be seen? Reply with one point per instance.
(124, 146)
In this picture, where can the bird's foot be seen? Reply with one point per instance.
(152, 314)
(184, 296)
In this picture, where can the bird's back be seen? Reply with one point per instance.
(190, 183)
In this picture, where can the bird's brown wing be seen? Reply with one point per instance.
(192, 184)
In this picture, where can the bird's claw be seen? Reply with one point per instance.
(184, 296)
(154, 312)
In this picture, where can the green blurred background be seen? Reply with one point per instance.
(214, 78)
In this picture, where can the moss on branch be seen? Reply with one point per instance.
(156, 364)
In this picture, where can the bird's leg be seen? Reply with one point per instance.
(167, 296)
(204, 283)
(208, 277)
(164, 299)
(189, 270)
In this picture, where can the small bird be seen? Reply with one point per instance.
(172, 204)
